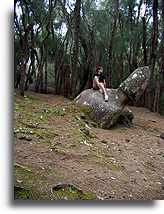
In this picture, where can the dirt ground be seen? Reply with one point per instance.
(55, 143)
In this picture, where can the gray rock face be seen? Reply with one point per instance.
(134, 86)
(106, 114)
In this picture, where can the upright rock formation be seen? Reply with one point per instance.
(106, 114)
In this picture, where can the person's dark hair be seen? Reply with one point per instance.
(98, 67)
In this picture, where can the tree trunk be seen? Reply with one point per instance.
(162, 42)
(74, 66)
(24, 59)
(160, 80)
(154, 42)
(39, 77)
(45, 78)
(40, 81)
(153, 52)
(110, 47)
(156, 97)
(121, 68)
(144, 40)
(22, 76)
(86, 76)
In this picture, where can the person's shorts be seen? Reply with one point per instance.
(95, 87)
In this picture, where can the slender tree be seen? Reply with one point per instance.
(111, 40)
(75, 55)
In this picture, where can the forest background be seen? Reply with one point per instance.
(58, 43)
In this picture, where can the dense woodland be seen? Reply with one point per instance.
(59, 42)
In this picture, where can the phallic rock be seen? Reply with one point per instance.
(106, 114)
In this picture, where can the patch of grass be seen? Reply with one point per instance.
(29, 184)
(70, 192)
(115, 167)
(71, 108)
(22, 194)
(17, 107)
(154, 130)
(31, 97)
(88, 196)
(149, 165)
(77, 136)
(58, 150)
(67, 195)
(104, 160)
(17, 165)
(45, 133)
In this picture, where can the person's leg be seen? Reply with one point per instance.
(101, 86)
(95, 85)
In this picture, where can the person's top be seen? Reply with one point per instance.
(100, 77)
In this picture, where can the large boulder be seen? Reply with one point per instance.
(134, 86)
(106, 114)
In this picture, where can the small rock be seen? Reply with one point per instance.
(85, 131)
(104, 141)
(153, 121)
(89, 169)
(23, 137)
(158, 182)
(162, 136)
(85, 142)
(113, 178)
(87, 126)
(19, 181)
(45, 110)
(100, 198)
(65, 198)
(77, 118)
(82, 115)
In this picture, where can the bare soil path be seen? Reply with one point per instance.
(56, 144)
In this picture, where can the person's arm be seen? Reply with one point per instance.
(96, 80)
(104, 83)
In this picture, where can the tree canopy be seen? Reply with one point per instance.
(59, 42)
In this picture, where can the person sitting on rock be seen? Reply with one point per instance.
(99, 82)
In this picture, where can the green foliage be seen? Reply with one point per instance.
(96, 29)
(21, 194)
